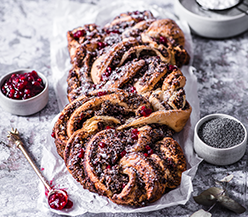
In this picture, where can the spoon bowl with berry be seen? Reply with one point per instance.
(57, 198)
(23, 92)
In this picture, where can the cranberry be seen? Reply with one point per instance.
(148, 147)
(123, 185)
(53, 134)
(108, 167)
(163, 40)
(81, 153)
(108, 128)
(39, 80)
(101, 45)
(106, 74)
(11, 93)
(139, 19)
(27, 91)
(145, 111)
(148, 151)
(172, 67)
(134, 134)
(145, 154)
(57, 200)
(102, 144)
(23, 86)
(79, 33)
(101, 93)
(109, 31)
(123, 153)
(109, 70)
(34, 74)
(115, 31)
(133, 90)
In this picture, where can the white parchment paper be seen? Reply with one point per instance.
(70, 15)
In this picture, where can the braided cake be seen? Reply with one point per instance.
(127, 99)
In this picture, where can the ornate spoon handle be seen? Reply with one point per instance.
(14, 136)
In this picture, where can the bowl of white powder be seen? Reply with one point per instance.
(209, 20)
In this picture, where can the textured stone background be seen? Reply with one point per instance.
(25, 30)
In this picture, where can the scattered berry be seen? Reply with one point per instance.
(145, 111)
(79, 33)
(123, 153)
(102, 144)
(134, 134)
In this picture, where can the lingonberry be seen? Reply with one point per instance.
(102, 144)
(79, 33)
(163, 40)
(23, 86)
(145, 111)
(134, 134)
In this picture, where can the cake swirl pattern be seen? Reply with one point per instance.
(127, 99)
(123, 53)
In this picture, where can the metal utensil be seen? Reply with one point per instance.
(57, 199)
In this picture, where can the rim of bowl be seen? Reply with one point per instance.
(218, 115)
(230, 18)
(22, 71)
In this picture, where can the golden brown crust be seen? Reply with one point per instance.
(166, 36)
(137, 29)
(174, 160)
(153, 187)
(60, 126)
(78, 114)
(77, 42)
(127, 98)
(118, 55)
(129, 19)
(167, 28)
(103, 62)
(175, 119)
(133, 173)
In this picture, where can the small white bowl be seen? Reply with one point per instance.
(211, 24)
(218, 156)
(24, 107)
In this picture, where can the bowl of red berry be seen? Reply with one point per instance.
(23, 92)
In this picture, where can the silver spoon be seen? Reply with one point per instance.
(57, 199)
(217, 5)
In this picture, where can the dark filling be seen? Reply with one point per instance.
(119, 112)
(145, 73)
(108, 150)
(120, 27)
(179, 100)
(106, 108)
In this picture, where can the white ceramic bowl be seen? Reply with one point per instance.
(28, 106)
(218, 156)
(211, 24)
